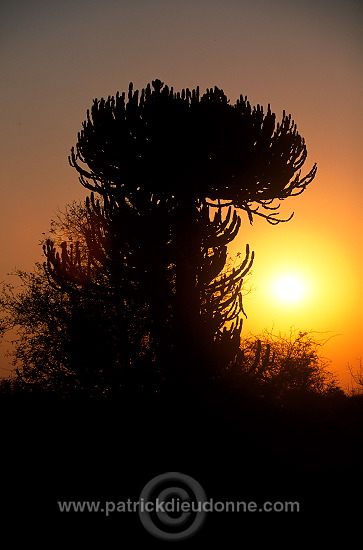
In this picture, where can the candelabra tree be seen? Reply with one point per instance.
(171, 171)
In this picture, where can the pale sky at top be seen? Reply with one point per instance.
(304, 57)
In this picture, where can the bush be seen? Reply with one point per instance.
(275, 366)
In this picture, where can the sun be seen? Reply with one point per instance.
(289, 288)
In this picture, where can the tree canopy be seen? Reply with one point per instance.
(185, 144)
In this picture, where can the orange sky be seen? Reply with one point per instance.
(304, 57)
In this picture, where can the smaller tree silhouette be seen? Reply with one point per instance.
(37, 315)
(276, 366)
(76, 331)
(357, 379)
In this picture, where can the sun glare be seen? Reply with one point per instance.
(289, 289)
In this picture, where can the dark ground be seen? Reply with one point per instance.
(237, 449)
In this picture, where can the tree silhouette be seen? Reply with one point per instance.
(105, 276)
(75, 332)
(278, 366)
(189, 148)
(162, 162)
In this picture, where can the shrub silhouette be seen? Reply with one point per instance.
(278, 366)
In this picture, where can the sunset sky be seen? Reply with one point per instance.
(304, 57)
